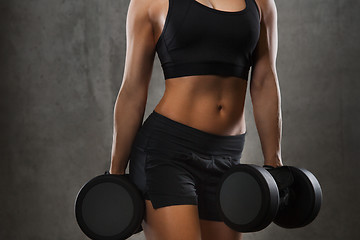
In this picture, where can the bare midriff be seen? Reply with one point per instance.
(210, 103)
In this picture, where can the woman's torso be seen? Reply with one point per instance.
(211, 103)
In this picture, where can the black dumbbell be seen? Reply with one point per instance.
(109, 207)
(251, 197)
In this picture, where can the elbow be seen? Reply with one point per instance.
(263, 72)
(264, 81)
(265, 88)
(135, 100)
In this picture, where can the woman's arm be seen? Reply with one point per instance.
(131, 100)
(264, 86)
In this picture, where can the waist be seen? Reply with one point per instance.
(211, 103)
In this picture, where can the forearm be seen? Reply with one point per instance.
(266, 103)
(128, 116)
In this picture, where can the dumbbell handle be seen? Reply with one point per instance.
(267, 167)
(284, 179)
(282, 176)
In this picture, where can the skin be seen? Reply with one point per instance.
(210, 103)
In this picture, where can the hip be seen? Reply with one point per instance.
(164, 135)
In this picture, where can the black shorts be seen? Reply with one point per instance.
(172, 163)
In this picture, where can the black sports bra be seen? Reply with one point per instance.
(199, 40)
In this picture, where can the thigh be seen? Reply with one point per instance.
(176, 222)
(214, 230)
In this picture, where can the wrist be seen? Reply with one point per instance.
(116, 171)
(274, 162)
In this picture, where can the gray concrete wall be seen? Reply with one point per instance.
(61, 65)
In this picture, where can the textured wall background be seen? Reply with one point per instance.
(61, 65)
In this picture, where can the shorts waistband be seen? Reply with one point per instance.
(162, 127)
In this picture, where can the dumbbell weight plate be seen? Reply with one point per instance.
(109, 207)
(304, 201)
(247, 198)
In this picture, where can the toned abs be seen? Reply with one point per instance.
(213, 104)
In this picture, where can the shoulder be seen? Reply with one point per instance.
(267, 9)
(149, 9)
(140, 7)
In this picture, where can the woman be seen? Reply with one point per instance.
(197, 130)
